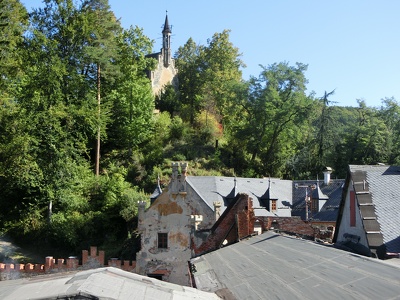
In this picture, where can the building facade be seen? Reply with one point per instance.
(368, 221)
(188, 211)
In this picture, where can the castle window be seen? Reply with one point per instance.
(162, 240)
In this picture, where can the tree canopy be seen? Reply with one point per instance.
(72, 79)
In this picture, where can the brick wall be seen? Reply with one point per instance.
(236, 222)
(290, 225)
(90, 260)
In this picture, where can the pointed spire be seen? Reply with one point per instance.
(166, 49)
(167, 28)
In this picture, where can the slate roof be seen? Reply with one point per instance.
(157, 191)
(331, 192)
(383, 183)
(167, 28)
(219, 188)
(271, 266)
(104, 283)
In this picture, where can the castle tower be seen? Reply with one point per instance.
(166, 49)
(165, 72)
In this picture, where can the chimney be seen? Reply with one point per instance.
(141, 212)
(183, 176)
(175, 178)
(184, 167)
(217, 209)
(327, 175)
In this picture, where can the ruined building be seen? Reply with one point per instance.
(197, 214)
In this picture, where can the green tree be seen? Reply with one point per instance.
(276, 111)
(132, 100)
(208, 77)
(326, 128)
(168, 100)
(13, 23)
(54, 116)
(100, 52)
(190, 79)
(221, 69)
(390, 114)
(17, 168)
(367, 141)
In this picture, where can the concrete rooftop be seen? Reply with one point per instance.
(271, 266)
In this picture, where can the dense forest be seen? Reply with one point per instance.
(83, 139)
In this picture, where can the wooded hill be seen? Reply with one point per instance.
(81, 144)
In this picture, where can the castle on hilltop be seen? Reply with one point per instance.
(165, 72)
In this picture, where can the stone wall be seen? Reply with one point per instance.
(171, 215)
(163, 76)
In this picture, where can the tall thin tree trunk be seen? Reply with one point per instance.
(98, 119)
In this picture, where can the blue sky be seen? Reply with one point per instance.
(350, 46)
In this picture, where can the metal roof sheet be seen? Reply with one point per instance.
(104, 283)
(271, 266)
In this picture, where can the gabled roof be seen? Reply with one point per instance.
(383, 186)
(331, 192)
(329, 212)
(228, 198)
(318, 194)
(104, 283)
(217, 188)
(271, 266)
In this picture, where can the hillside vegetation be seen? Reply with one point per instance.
(81, 144)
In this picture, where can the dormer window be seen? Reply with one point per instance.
(273, 205)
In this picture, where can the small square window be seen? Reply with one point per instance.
(162, 240)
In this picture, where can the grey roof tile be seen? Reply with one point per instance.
(270, 266)
(332, 191)
(216, 188)
(384, 187)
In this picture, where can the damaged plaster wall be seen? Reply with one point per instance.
(172, 214)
